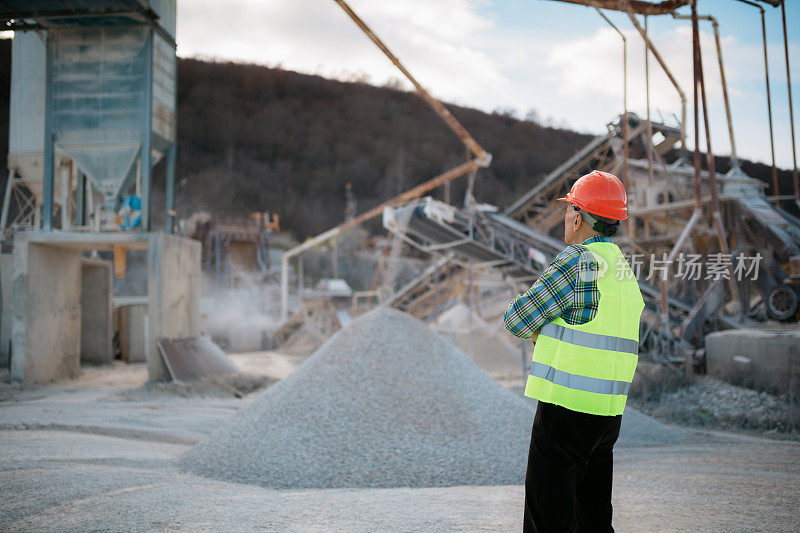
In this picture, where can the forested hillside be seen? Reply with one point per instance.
(253, 138)
(257, 138)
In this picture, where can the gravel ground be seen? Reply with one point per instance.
(73, 461)
(57, 481)
(236, 385)
(386, 403)
(710, 402)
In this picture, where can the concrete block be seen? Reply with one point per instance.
(173, 287)
(96, 311)
(765, 358)
(6, 300)
(130, 325)
(46, 289)
(46, 323)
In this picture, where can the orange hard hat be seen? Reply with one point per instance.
(599, 193)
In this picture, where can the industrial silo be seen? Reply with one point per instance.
(93, 97)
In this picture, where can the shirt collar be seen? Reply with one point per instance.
(596, 238)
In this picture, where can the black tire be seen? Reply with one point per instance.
(782, 303)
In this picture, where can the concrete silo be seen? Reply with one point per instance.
(92, 97)
(93, 109)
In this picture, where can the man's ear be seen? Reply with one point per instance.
(578, 221)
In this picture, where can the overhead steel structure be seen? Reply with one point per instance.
(738, 220)
(477, 158)
(107, 103)
(662, 197)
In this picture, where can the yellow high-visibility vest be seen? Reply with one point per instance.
(589, 367)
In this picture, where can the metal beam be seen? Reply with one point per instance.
(695, 103)
(147, 133)
(19, 19)
(415, 192)
(625, 147)
(775, 191)
(639, 7)
(681, 94)
(717, 217)
(49, 141)
(171, 156)
(664, 303)
(60, 13)
(484, 158)
(715, 24)
(795, 176)
(411, 194)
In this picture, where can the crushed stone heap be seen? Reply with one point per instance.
(384, 403)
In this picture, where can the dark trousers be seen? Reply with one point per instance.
(570, 465)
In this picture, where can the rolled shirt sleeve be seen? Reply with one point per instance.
(551, 296)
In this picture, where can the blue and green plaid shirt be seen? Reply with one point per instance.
(561, 291)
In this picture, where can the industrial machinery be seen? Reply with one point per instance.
(93, 99)
(92, 110)
(677, 209)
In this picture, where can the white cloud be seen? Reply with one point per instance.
(461, 55)
(431, 38)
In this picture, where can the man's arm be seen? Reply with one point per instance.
(548, 297)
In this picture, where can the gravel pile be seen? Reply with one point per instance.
(493, 355)
(384, 403)
(711, 402)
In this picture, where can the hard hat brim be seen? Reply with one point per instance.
(567, 198)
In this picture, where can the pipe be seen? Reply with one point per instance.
(666, 71)
(696, 216)
(696, 114)
(625, 147)
(717, 217)
(415, 192)
(484, 158)
(638, 6)
(7, 199)
(715, 24)
(734, 157)
(791, 110)
(710, 163)
(302, 247)
(776, 192)
(647, 99)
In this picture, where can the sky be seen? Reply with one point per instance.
(561, 61)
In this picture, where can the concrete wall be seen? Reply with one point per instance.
(173, 286)
(46, 323)
(130, 325)
(96, 314)
(774, 356)
(6, 275)
(46, 290)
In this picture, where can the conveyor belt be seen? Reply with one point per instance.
(496, 239)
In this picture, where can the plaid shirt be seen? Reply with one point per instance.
(561, 291)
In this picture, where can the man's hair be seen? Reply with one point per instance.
(602, 225)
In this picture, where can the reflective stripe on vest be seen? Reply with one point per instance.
(574, 381)
(589, 367)
(590, 340)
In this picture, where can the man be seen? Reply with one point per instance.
(583, 315)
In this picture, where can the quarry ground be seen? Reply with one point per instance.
(97, 453)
